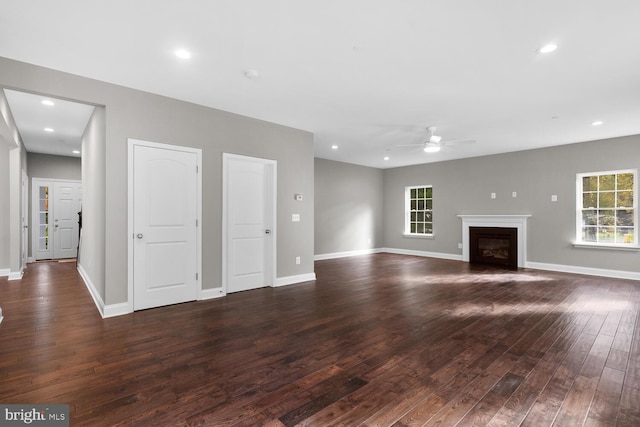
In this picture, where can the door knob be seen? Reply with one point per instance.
(139, 236)
(267, 231)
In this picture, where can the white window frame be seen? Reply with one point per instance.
(407, 213)
(579, 208)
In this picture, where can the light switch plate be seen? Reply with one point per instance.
(295, 217)
(554, 198)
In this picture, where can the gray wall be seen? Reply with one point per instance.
(92, 243)
(54, 167)
(140, 115)
(464, 187)
(4, 197)
(12, 163)
(349, 207)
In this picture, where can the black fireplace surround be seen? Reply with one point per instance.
(493, 245)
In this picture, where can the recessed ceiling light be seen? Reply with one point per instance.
(386, 157)
(76, 152)
(334, 147)
(48, 129)
(48, 102)
(548, 48)
(597, 123)
(183, 54)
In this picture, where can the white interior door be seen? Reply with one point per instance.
(250, 202)
(67, 202)
(165, 213)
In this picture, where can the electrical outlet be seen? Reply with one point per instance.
(459, 245)
(514, 194)
(298, 260)
(554, 198)
(493, 195)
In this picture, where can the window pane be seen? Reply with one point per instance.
(606, 217)
(420, 205)
(625, 218)
(429, 192)
(606, 235)
(590, 183)
(414, 193)
(625, 181)
(413, 216)
(414, 205)
(607, 200)
(625, 199)
(413, 227)
(420, 228)
(420, 217)
(428, 216)
(589, 217)
(607, 182)
(428, 228)
(589, 234)
(429, 204)
(624, 235)
(420, 193)
(590, 200)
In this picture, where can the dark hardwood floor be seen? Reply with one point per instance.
(377, 340)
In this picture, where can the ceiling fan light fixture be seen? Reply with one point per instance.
(435, 139)
(431, 148)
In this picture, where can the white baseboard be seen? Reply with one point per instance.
(15, 275)
(211, 293)
(617, 274)
(441, 255)
(97, 299)
(119, 309)
(11, 275)
(346, 254)
(290, 280)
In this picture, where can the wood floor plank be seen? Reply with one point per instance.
(376, 340)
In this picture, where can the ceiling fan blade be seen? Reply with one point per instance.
(418, 144)
(460, 142)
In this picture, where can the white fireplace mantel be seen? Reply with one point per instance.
(506, 221)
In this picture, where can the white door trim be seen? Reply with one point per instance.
(131, 143)
(272, 268)
(24, 220)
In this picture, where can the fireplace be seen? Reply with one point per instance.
(519, 222)
(494, 245)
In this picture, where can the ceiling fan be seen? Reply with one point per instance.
(434, 143)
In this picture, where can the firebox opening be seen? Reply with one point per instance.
(493, 245)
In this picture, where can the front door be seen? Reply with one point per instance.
(66, 205)
(249, 212)
(165, 209)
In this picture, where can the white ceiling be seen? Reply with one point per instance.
(66, 121)
(364, 75)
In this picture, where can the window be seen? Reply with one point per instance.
(607, 211)
(419, 210)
